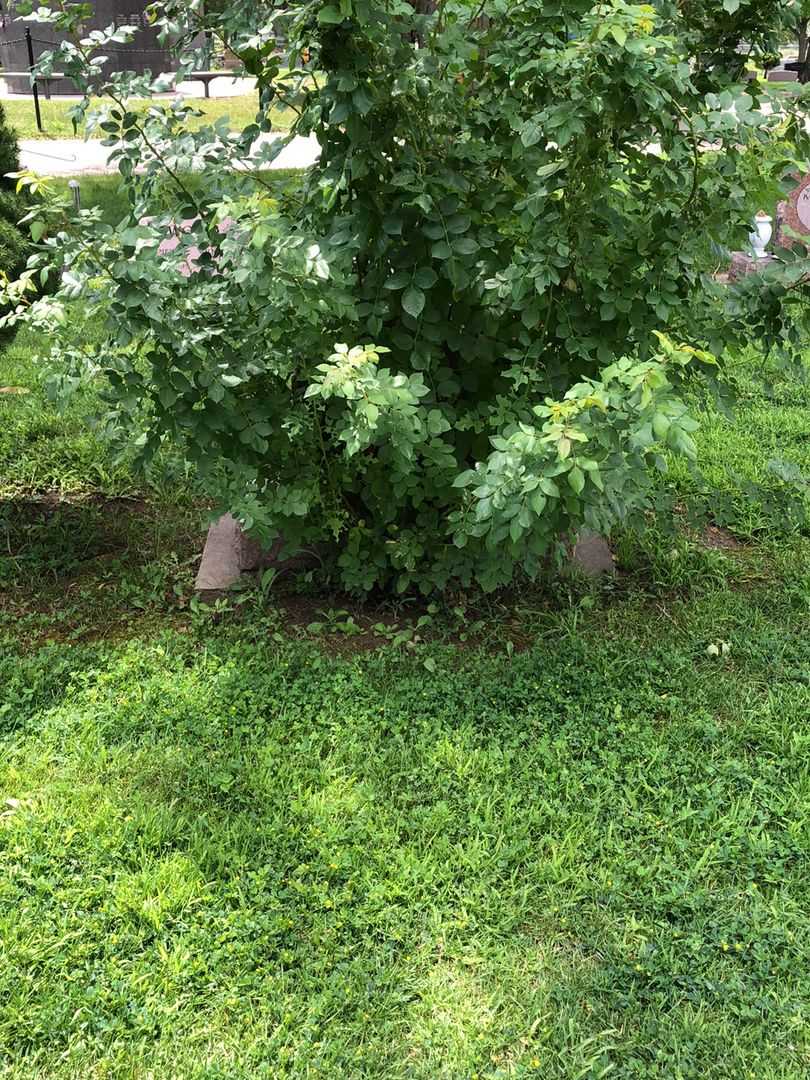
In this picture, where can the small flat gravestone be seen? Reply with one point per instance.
(592, 555)
(229, 553)
(225, 556)
(742, 263)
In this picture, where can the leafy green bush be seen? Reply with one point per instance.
(9, 161)
(15, 246)
(511, 211)
(11, 206)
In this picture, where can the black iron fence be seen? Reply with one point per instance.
(18, 57)
(29, 40)
(35, 80)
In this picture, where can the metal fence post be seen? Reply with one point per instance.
(30, 45)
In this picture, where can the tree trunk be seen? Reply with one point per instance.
(422, 7)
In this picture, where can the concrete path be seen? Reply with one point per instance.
(75, 157)
(225, 85)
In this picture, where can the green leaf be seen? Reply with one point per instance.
(413, 301)
(465, 246)
(362, 100)
(684, 443)
(576, 479)
(330, 16)
(531, 133)
(425, 277)
(436, 422)
(442, 250)
(731, 6)
(619, 34)
(458, 224)
(550, 168)
(661, 425)
(465, 479)
(398, 281)
(537, 502)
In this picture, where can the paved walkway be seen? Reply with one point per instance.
(225, 85)
(75, 157)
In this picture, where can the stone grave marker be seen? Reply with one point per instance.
(791, 227)
(794, 215)
(228, 554)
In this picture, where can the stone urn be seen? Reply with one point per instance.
(761, 235)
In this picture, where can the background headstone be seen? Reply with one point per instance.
(781, 75)
(794, 214)
(792, 226)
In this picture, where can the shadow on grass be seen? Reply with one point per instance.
(47, 538)
(274, 862)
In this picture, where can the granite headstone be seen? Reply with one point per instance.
(793, 215)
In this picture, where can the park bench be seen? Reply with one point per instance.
(207, 77)
(55, 76)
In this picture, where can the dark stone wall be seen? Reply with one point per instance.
(144, 54)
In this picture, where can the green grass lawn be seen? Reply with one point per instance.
(234, 848)
(57, 124)
(107, 192)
